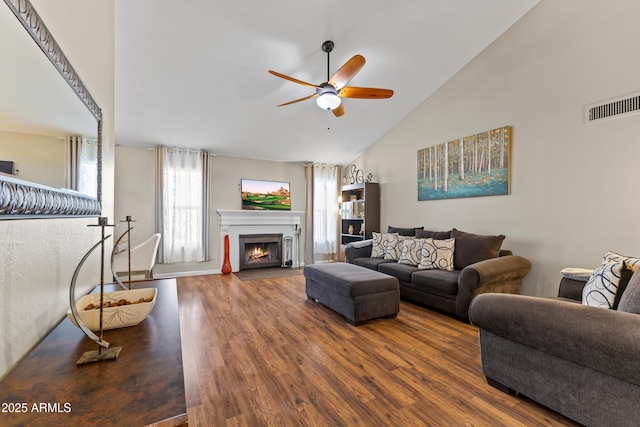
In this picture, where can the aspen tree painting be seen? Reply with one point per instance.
(473, 166)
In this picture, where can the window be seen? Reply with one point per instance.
(182, 211)
(82, 161)
(88, 168)
(325, 209)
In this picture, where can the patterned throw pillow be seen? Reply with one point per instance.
(437, 254)
(600, 289)
(411, 251)
(394, 246)
(631, 262)
(377, 250)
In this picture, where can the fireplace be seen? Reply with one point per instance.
(260, 250)
(234, 223)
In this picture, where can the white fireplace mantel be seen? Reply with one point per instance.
(236, 222)
(229, 217)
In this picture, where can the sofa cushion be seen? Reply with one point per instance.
(443, 281)
(380, 244)
(630, 299)
(402, 272)
(601, 288)
(411, 251)
(371, 263)
(472, 248)
(438, 235)
(437, 254)
(403, 231)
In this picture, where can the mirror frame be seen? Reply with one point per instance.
(21, 199)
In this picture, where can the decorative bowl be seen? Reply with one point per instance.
(118, 316)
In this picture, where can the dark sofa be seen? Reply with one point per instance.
(581, 361)
(479, 266)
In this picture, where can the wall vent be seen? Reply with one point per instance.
(613, 108)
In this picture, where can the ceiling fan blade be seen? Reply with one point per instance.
(347, 71)
(338, 111)
(291, 79)
(298, 100)
(364, 92)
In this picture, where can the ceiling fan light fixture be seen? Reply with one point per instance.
(328, 101)
(330, 93)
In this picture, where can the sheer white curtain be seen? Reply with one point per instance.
(82, 165)
(88, 167)
(326, 180)
(182, 209)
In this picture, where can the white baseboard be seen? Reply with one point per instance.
(194, 273)
(185, 274)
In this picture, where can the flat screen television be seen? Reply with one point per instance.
(265, 195)
(7, 166)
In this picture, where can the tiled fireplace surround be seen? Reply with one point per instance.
(237, 222)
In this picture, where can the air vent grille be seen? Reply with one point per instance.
(618, 107)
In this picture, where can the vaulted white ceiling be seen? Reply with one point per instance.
(194, 73)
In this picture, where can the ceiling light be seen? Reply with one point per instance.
(328, 101)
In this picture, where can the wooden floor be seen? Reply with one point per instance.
(259, 353)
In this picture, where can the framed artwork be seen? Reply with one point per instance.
(473, 166)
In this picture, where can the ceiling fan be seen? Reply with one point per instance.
(329, 93)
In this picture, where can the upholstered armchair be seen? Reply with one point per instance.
(579, 360)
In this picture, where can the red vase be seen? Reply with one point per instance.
(226, 265)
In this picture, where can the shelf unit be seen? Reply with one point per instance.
(360, 211)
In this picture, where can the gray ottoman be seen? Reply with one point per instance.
(358, 293)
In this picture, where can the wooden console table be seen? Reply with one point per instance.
(144, 386)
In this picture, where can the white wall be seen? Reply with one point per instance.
(573, 186)
(226, 174)
(135, 195)
(37, 158)
(38, 257)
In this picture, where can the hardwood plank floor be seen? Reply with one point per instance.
(259, 353)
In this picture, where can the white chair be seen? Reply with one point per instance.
(143, 258)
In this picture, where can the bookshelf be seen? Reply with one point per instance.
(360, 211)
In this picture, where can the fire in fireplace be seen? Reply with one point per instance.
(260, 250)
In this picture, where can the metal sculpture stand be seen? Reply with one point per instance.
(127, 233)
(104, 352)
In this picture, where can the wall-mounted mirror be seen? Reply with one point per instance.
(50, 125)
